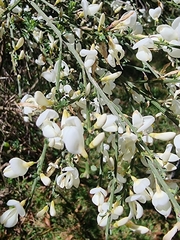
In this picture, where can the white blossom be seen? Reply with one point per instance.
(72, 134)
(10, 217)
(68, 178)
(16, 168)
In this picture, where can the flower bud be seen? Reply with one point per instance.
(88, 89)
(97, 140)
(117, 9)
(18, 77)
(23, 202)
(42, 212)
(110, 77)
(52, 209)
(19, 44)
(21, 55)
(45, 180)
(101, 22)
(166, 136)
(100, 121)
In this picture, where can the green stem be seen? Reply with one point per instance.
(87, 109)
(39, 170)
(59, 67)
(151, 69)
(111, 198)
(58, 33)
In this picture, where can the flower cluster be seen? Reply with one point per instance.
(84, 118)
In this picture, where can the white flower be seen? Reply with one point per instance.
(155, 13)
(37, 34)
(137, 28)
(161, 202)
(41, 100)
(56, 142)
(90, 57)
(167, 32)
(127, 145)
(110, 124)
(48, 114)
(147, 42)
(144, 54)
(140, 184)
(173, 51)
(108, 80)
(99, 195)
(111, 76)
(137, 228)
(116, 52)
(69, 178)
(90, 9)
(10, 217)
(50, 129)
(40, 61)
(136, 209)
(171, 34)
(121, 222)
(104, 213)
(53, 42)
(167, 155)
(73, 136)
(51, 74)
(140, 122)
(27, 9)
(109, 86)
(166, 158)
(29, 104)
(17, 168)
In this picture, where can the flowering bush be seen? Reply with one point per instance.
(104, 75)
